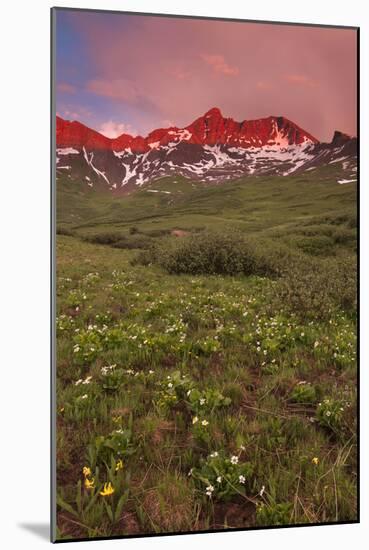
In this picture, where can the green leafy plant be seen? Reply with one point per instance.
(304, 392)
(330, 414)
(273, 513)
(117, 444)
(112, 377)
(222, 477)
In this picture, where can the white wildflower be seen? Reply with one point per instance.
(209, 490)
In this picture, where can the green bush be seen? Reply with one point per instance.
(104, 238)
(215, 254)
(156, 232)
(316, 246)
(344, 235)
(315, 290)
(133, 242)
(60, 230)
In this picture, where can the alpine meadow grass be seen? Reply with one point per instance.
(206, 357)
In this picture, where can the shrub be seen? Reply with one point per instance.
(215, 254)
(315, 290)
(103, 238)
(156, 232)
(64, 231)
(344, 236)
(134, 242)
(316, 246)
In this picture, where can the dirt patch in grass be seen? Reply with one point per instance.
(234, 515)
(179, 233)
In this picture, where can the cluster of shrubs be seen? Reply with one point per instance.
(306, 285)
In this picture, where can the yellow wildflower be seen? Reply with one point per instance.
(89, 483)
(108, 490)
(86, 471)
(119, 465)
(315, 460)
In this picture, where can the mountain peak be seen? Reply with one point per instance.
(339, 138)
(214, 112)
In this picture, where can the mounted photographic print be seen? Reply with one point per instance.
(204, 306)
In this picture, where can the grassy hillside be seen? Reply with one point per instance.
(188, 401)
(252, 203)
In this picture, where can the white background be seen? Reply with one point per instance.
(24, 268)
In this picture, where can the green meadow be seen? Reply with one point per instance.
(206, 355)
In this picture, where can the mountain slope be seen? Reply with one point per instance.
(211, 149)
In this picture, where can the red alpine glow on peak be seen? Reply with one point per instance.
(75, 134)
(210, 129)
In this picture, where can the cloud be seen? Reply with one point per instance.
(113, 129)
(219, 65)
(65, 88)
(263, 85)
(117, 89)
(301, 80)
(144, 70)
(72, 115)
(167, 123)
(180, 74)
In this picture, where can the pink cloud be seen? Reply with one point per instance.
(66, 88)
(218, 63)
(113, 129)
(301, 80)
(180, 74)
(75, 115)
(167, 123)
(121, 88)
(154, 71)
(263, 85)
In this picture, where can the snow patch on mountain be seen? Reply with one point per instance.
(67, 151)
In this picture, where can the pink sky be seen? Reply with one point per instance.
(142, 72)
